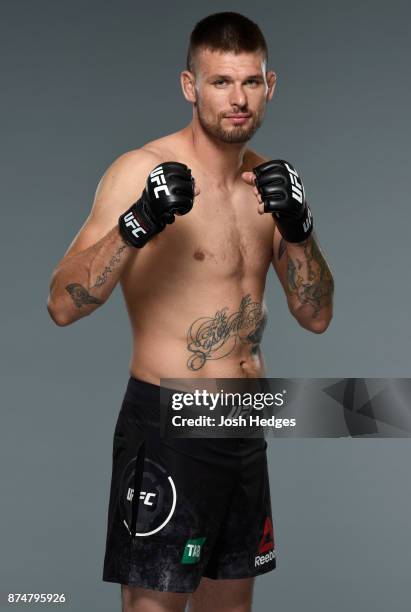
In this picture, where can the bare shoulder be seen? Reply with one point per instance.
(127, 174)
(167, 147)
(148, 155)
(134, 159)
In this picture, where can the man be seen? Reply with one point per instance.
(190, 520)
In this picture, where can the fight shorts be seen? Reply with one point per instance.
(184, 508)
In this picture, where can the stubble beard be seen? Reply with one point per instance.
(237, 134)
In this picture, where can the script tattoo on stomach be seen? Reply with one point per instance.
(217, 336)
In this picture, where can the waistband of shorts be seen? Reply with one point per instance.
(140, 391)
(146, 401)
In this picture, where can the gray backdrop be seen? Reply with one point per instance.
(83, 82)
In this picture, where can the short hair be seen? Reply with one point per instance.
(227, 31)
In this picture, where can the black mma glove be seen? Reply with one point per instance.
(169, 191)
(283, 195)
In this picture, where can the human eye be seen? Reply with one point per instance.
(253, 82)
(220, 82)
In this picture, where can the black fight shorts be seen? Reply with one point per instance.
(181, 509)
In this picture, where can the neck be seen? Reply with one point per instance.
(223, 160)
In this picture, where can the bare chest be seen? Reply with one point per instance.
(223, 238)
(226, 233)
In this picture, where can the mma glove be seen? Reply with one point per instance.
(169, 191)
(283, 195)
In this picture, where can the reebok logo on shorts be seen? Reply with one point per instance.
(263, 559)
(266, 545)
(192, 551)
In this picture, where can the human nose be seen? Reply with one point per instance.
(238, 97)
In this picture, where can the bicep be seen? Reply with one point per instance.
(120, 186)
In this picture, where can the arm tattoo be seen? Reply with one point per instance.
(309, 277)
(81, 296)
(216, 337)
(101, 279)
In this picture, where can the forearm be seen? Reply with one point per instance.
(83, 282)
(310, 285)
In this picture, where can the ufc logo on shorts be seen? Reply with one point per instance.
(296, 186)
(146, 497)
(157, 176)
(131, 221)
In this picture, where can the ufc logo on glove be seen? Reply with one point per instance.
(157, 176)
(296, 186)
(131, 221)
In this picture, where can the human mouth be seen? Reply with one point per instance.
(238, 118)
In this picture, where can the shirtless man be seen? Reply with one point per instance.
(194, 292)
